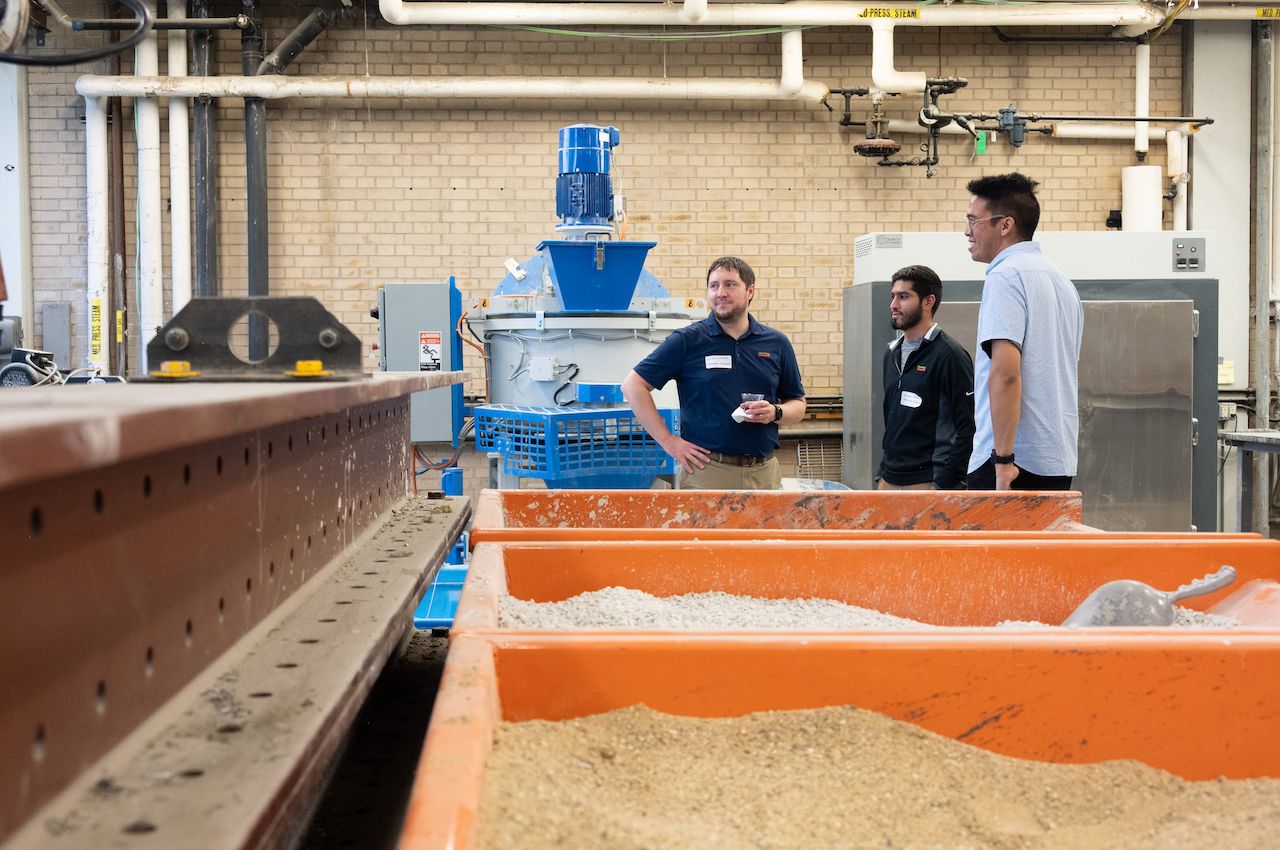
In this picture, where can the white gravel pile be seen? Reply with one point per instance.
(1183, 618)
(624, 608)
(621, 607)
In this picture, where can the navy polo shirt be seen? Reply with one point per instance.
(712, 370)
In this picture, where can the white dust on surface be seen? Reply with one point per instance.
(626, 608)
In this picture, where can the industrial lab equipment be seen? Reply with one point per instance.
(1148, 364)
(562, 330)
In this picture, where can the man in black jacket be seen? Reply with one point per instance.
(928, 392)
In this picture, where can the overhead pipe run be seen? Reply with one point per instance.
(206, 165)
(150, 253)
(793, 14)
(255, 171)
(303, 34)
(1142, 99)
(883, 75)
(179, 169)
(1176, 167)
(97, 247)
(174, 22)
(694, 11)
(792, 79)
(347, 88)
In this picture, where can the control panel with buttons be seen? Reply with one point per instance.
(1188, 254)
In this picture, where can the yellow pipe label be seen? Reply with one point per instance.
(95, 329)
(1269, 13)
(899, 13)
(119, 326)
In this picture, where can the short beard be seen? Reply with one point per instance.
(909, 321)
(738, 313)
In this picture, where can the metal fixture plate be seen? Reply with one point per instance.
(204, 332)
(149, 529)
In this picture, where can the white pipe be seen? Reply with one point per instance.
(1104, 132)
(1176, 168)
(97, 246)
(179, 169)
(1233, 12)
(272, 87)
(795, 13)
(694, 10)
(150, 252)
(883, 75)
(1142, 98)
(792, 63)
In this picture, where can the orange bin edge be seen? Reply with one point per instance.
(973, 582)
(828, 510)
(1189, 703)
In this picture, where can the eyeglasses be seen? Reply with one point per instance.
(970, 221)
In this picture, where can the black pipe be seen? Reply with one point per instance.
(115, 226)
(1127, 119)
(255, 156)
(238, 22)
(303, 34)
(205, 145)
(1064, 39)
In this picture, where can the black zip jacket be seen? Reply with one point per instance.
(930, 437)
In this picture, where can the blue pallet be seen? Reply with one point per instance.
(598, 447)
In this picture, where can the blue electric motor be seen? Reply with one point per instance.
(584, 190)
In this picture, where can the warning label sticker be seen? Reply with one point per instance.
(429, 351)
(890, 13)
(95, 329)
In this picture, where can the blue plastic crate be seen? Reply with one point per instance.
(598, 447)
(440, 602)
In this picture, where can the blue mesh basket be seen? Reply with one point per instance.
(598, 448)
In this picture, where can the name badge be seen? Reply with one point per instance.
(910, 399)
(719, 361)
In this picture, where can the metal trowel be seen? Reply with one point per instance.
(1132, 603)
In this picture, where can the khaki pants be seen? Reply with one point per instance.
(881, 484)
(724, 476)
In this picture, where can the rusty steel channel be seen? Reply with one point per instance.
(198, 585)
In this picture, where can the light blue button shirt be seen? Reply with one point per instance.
(1030, 302)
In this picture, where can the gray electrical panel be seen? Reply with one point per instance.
(415, 334)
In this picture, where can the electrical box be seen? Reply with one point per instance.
(542, 368)
(416, 333)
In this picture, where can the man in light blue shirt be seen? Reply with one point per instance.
(1030, 323)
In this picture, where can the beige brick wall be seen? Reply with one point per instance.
(363, 193)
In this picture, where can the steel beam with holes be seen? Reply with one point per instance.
(198, 586)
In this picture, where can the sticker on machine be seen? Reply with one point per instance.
(429, 351)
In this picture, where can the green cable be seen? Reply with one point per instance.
(657, 36)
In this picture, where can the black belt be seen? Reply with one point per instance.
(740, 460)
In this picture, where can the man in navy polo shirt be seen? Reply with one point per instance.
(715, 363)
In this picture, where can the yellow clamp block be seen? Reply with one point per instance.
(175, 369)
(309, 369)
